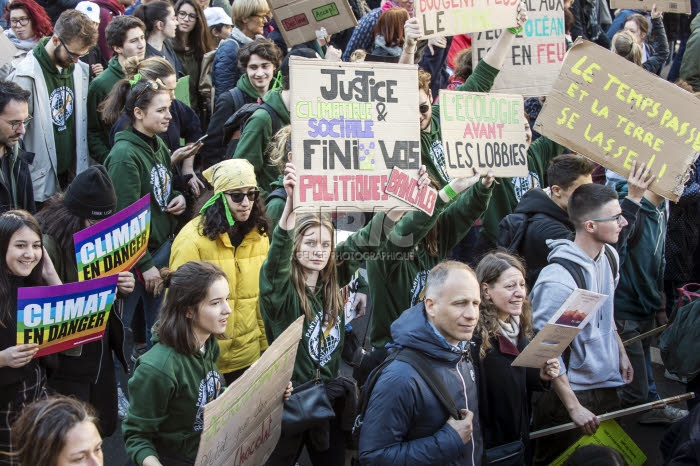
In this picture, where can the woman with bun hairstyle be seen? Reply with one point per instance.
(58, 431)
(139, 164)
(505, 329)
(232, 232)
(22, 377)
(87, 371)
(183, 125)
(161, 27)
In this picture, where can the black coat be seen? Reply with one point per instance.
(504, 394)
(18, 192)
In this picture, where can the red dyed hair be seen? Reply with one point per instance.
(41, 23)
(390, 26)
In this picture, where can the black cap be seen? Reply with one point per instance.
(299, 52)
(91, 194)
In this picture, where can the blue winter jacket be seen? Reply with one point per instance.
(224, 69)
(405, 423)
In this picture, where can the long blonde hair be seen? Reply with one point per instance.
(489, 270)
(328, 277)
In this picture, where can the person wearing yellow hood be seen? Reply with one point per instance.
(232, 232)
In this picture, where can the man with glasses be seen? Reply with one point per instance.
(58, 83)
(596, 363)
(15, 181)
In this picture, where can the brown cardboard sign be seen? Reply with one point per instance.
(404, 186)
(535, 58)
(243, 425)
(352, 123)
(300, 21)
(451, 17)
(614, 112)
(7, 50)
(667, 6)
(483, 130)
(550, 342)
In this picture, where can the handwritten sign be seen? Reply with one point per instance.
(242, 426)
(614, 113)
(550, 342)
(116, 243)
(62, 317)
(300, 21)
(352, 123)
(404, 186)
(535, 58)
(610, 434)
(451, 17)
(481, 130)
(667, 6)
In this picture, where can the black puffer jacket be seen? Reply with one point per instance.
(17, 193)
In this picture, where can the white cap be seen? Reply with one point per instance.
(217, 15)
(89, 9)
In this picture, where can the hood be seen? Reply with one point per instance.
(566, 249)
(113, 6)
(274, 100)
(412, 330)
(695, 24)
(537, 201)
(130, 136)
(47, 65)
(116, 68)
(622, 191)
(245, 86)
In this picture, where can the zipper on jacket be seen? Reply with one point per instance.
(465, 355)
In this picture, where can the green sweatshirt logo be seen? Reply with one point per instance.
(331, 338)
(61, 102)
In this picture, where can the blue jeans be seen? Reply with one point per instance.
(637, 391)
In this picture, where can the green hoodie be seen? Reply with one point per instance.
(98, 130)
(431, 149)
(257, 135)
(280, 304)
(397, 276)
(168, 392)
(62, 106)
(244, 85)
(136, 170)
(508, 192)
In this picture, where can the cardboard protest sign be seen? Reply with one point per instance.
(614, 112)
(7, 50)
(116, 243)
(242, 426)
(62, 317)
(483, 130)
(610, 434)
(667, 6)
(348, 294)
(442, 18)
(352, 123)
(300, 21)
(404, 186)
(550, 342)
(536, 55)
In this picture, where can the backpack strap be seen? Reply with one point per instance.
(280, 193)
(238, 98)
(276, 125)
(367, 389)
(573, 269)
(611, 260)
(431, 378)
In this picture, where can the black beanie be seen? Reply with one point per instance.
(91, 194)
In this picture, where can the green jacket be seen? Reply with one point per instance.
(256, 137)
(244, 85)
(397, 277)
(98, 130)
(168, 392)
(508, 192)
(690, 66)
(136, 170)
(431, 149)
(280, 304)
(275, 206)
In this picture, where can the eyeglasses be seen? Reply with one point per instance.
(618, 218)
(264, 16)
(74, 56)
(237, 197)
(183, 15)
(15, 124)
(19, 21)
(424, 108)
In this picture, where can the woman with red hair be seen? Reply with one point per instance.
(388, 33)
(28, 23)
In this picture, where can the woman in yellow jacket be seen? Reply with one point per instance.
(231, 232)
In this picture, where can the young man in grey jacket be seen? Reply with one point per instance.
(597, 362)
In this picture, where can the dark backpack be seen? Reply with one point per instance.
(511, 231)
(679, 344)
(424, 369)
(279, 193)
(233, 128)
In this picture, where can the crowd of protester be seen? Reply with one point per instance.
(90, 123)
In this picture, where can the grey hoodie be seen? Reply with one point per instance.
(595, 361)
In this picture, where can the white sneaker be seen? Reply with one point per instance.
(122, 404)
(674, 377)
(665, 415)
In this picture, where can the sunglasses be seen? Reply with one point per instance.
(424, 108)
(74, 56)
(237, 197)
(156, 85)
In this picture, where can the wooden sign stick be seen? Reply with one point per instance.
(645, 335)
(615, 414)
